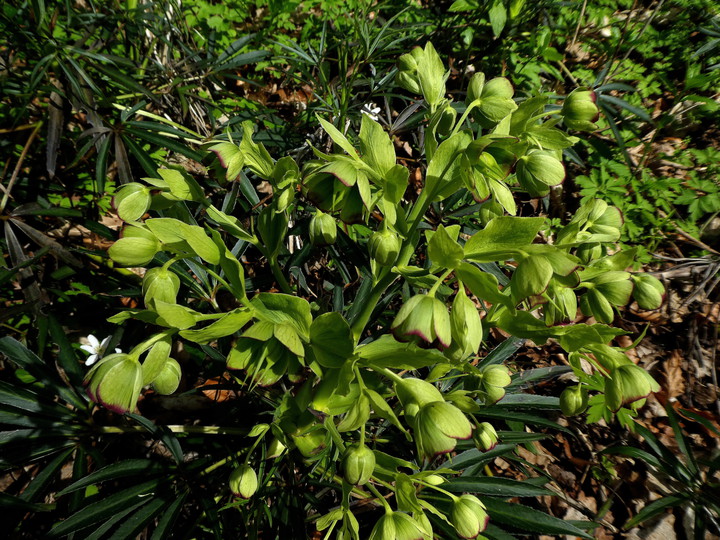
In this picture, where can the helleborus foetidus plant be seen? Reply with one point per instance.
(383, 349)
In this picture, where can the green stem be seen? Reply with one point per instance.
(439, 282)
(389, 374)
(372, 489)
(279, 276)
(436, 488)
(202, 430)
(459, 124)
(145, 345)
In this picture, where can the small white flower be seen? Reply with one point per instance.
(96, 349)
(372, 110)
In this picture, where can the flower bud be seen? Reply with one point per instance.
(407, 63)
(594, 304)
(115, 382)
(466, 327)
(168, 379)
(648, 292)
(136, 247)
(243, 482)
(573, 400)
(490, 210)
(409, 82)
(475, 87)
(561, 307)
(485, 436)
(580, 111)
(358, 464)
(446, 121)
(468, 516)
(496, 375)
(323, 230)
(499, 87)
(160, 283)
(384, 247)
(423, 318)
(492, 381)
(434, 479)
(132, 201)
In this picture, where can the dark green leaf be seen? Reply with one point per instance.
(495, 486)
(103, 509)
(528, 519)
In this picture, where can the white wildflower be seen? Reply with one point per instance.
(96, 349)
(372, 110)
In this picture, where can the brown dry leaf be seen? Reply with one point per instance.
(672, 371)
(217, 394)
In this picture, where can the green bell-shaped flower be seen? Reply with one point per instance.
(627, 384)
(136, 247)
(438, 427)
(358, 464)
(648, 291)
(539, 170)
(424, 320)
(492, 381)
(115, 382)
(397, 526)
(415, 393)
(243, 482)
(594, 304)
(574, 400)
(468, 516)
(580, 111)
(485, 436)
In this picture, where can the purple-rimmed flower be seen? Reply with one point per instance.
(423, 318)
(438, 427)
(468, 516)
(96, 349)
(115, 382)
(627, 384)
